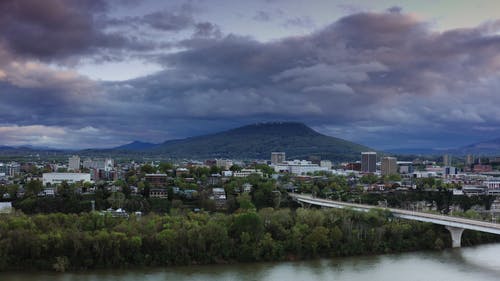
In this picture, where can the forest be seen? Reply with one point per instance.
(92, 240)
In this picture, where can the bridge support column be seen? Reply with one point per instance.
(456, 235)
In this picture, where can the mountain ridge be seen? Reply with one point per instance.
(135, 145)
(257, 141)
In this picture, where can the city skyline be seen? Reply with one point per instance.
(391, 74)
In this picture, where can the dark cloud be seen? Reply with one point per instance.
(395, 10)
(54, 29)
(50, 28)
(207, 29)
(383, 77)
(169, 20)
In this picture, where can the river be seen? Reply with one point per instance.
(473, 263)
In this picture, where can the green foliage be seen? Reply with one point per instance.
(33, 187)
(64, 242)
(245, 202)
(369, 179)
(393, 177)
(235, 168)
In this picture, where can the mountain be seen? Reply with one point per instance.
(3, 147)
(490, 147)
(135, 146)
(257, 141)
(415, 151)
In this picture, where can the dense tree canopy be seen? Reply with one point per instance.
(92, 240)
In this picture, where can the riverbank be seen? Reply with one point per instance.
(465, 264)
(62, 242)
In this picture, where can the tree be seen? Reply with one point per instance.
(33, 187)
(248, 222)
(117, 200)
(147, 169)
(235, 168)
(266, 170)
(65, 190)
(369, 179)
(245, 202)
(263, 195)
(165, 167)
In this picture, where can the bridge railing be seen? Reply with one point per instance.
(413, 212)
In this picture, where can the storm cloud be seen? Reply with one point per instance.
(369, 77)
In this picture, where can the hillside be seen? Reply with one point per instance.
(135, 146)
(257, 141)
(491, 147)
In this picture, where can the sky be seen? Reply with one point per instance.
(387, 74)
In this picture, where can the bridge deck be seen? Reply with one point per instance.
(406, 214)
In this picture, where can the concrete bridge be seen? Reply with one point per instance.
(455, 225)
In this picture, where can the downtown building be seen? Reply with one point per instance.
(389, 166)
(368, 162)
(74, 163)
(278, 157)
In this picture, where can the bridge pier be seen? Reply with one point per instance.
(456, 235)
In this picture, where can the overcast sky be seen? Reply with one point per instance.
(387, 74)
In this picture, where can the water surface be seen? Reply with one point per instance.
(465, 264)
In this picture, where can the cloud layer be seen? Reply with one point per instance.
(382, 79)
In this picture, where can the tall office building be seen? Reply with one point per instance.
(74, 163)
(389, 166)
(446, 160)
(368, 162)
(278, 157)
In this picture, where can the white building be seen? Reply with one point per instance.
(219, 196)
(5, 207)
(224, 163)
(10, 169)
(246, 172)
(99, 164)
(299, 167)
(74, 163)
(58, 178)
(424, 174)
(492, 186)
(326, 163)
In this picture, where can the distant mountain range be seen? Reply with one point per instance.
(257, 141)
(487, 148)
(136, 146)
(490, 147)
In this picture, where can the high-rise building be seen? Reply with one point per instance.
(10, 169)
(389, 166)
(446, 160)
(469, 159)
(278, 157)
(368, 162)
(74, 163)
